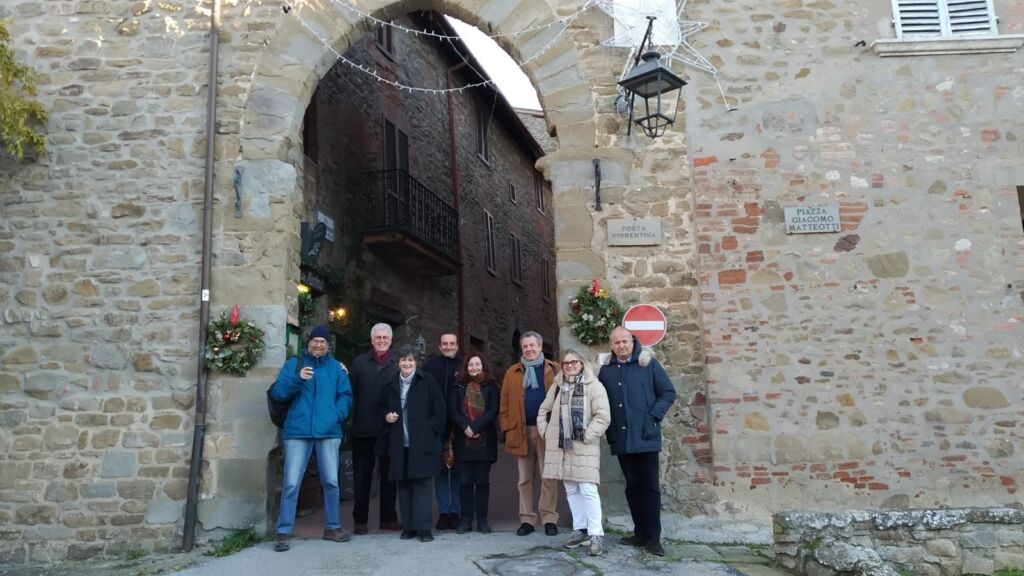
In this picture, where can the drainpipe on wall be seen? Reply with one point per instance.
(199, 431)
(455, 198)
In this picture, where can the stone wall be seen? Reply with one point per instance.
(923, 542)
(878, 365)
(99, 247)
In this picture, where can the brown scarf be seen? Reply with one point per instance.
(475, 407)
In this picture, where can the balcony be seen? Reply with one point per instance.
(411, 227)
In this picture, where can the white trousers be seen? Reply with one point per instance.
(585, 504)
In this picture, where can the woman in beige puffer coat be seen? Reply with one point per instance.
(572, 419)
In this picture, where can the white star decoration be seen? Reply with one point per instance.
(669, 34)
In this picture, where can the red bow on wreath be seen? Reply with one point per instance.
(594, 288)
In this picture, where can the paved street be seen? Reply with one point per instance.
(697, 548)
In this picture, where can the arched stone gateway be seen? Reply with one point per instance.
(575, 79)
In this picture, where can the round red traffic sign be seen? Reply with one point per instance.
(646, 322)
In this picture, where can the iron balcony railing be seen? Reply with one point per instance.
(404, 204)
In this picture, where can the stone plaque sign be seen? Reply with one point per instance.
(812, 219)
(634, 232)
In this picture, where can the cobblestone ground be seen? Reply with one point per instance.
(500, 554)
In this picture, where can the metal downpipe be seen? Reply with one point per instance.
(199, 431)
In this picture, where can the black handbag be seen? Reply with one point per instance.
(279, 408)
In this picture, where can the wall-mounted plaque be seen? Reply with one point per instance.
(812, 219)
(634, 232)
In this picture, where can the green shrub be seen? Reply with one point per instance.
(18, 111)
(238, 540)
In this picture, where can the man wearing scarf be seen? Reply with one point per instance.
(522, 391)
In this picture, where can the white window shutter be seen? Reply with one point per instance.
(971, 17)
(943, 18)
(917, 18)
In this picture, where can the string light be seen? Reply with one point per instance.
(367, 70)
(563, 20)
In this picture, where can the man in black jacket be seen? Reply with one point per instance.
(639, 394)
(370, 373)
(443, 367)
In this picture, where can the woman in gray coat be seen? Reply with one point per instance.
(572, 419)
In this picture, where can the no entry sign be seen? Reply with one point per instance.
(646, 322)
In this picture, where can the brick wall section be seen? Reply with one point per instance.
(351, 105)
(878, 365)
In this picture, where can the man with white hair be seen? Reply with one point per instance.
(370, 373)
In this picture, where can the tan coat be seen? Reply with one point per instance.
(512, 414)
(582, 463)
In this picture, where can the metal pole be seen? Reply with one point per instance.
(199, 432)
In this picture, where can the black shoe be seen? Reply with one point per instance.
(634, 540)
(525, 529)
(408, 534)
(550, 529)
(655, 547)
(453, 520)
(426, 536)
(442, 522)
(463, 527)
(483, 527)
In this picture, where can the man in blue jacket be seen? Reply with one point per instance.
(640, 394)
(320, 396)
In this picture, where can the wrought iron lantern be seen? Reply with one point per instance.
(656, 84)
(659, 88)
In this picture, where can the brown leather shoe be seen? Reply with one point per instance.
(337, 535)
(393, 526)
(360, 529)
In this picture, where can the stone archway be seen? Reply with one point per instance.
(575, 80)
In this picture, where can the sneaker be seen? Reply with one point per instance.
(281, 543)
(550, 529)
(360, 529)
(525, 529)
(426, 536)
(577, 539)
(655, 547)
(408, 534)
(483, 527)
(634, 541)
(596, 545)
(337, 535)
(463, 527)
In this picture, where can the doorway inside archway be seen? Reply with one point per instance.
(423, 210)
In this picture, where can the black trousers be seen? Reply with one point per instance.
(474, 490)
(416, 500)
(643, 493)
(363, 459)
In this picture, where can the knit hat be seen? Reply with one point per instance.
(320, 331)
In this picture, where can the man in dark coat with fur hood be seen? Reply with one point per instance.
(640, 394)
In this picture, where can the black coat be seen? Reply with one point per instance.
(639, 394)
(444, 370)
(485, 424)
(368, 380)
(425, 413)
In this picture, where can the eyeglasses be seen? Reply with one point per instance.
(571, 363)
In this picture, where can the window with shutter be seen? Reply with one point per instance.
(943, 18)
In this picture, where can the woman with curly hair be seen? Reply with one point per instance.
(473, 410)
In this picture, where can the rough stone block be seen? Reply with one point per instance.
(136, 489)
(97, 489)
(163, 512)
(231, 513)
(118, 464)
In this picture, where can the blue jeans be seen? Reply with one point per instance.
(446, 486)
(296, 457)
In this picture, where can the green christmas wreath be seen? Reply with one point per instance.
(232, 346)
(593, 314)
